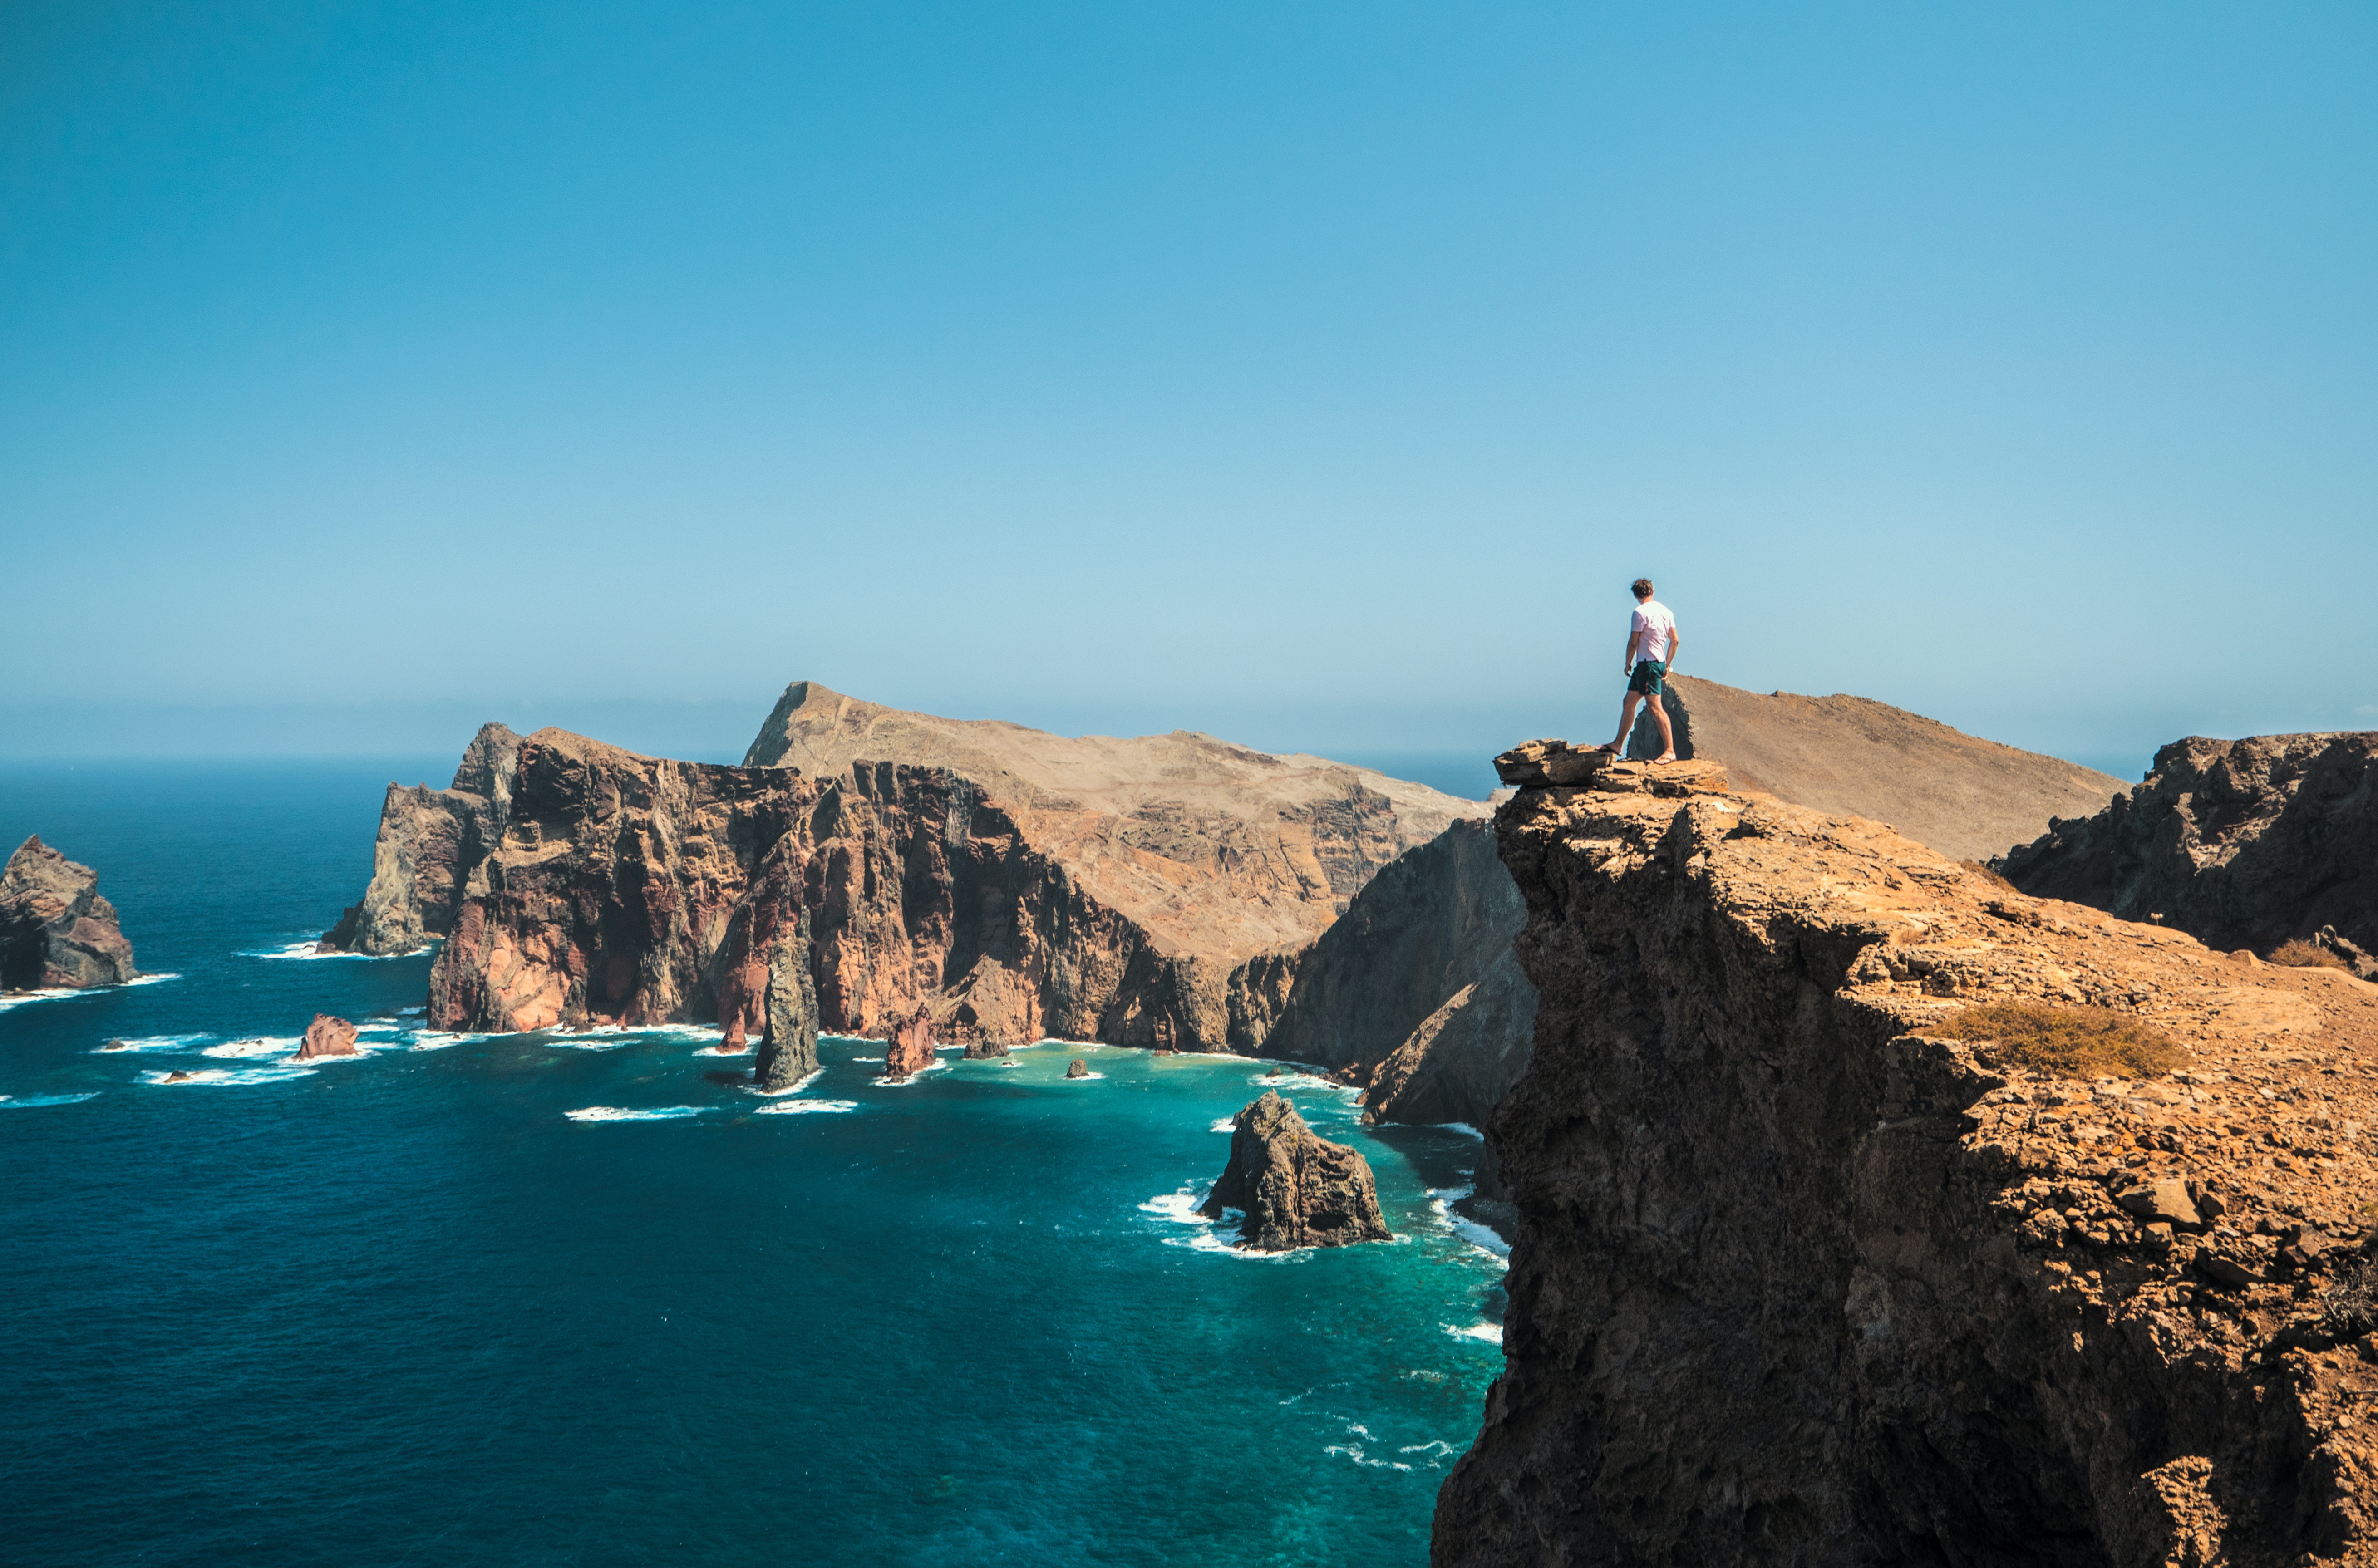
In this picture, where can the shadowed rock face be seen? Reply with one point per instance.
(1295, 1190)
(910, 1049)
(2239, 843)
(429, 842)
(56, 929)
(1416, 986)
(636, 890)
(1797, 1280)
(788, 1050)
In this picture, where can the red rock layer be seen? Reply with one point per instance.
(327, 1035)
(910, 1049)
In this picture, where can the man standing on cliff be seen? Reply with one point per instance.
(1652, 643)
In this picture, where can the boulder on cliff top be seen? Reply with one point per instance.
(2241, 843)
(56, 929)
(327, 1035)
(1295, 1189)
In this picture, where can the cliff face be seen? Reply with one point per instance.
(1296, 1190)
(1796, 1279)
(56, 929)
(637, 890)
(1209, 848)
(1416, 987)
(429, 840)
(2243, 843)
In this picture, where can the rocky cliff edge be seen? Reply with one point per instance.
(1799, 1278)
(56, 929)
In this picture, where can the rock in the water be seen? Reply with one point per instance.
(1296, 1190)
(2241, 843)
(327, 1035)
(910, 1049)
(56, 929)
(789, 1049)
(431, 840)
(980, 1048)
(1077, 1068)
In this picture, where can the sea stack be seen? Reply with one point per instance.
(1077, 1068)
(789, 1049)
(327, 1035)
(1295, 1189)
(55, 930)
(910, 1049)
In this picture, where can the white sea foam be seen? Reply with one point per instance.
(890, 1082)
(1224, 1124)
(34, 1102)
(788, 1089)
(305, 949)
(1464, 1129)
(1083, 1078)
(867, 1059)
(744, 1049)
(1490, 1333)
(1484, 1237)
(1301, 1080)
(152, 1043)
(1179, 1205)
(229, 1077)
(262, 1045)
(67, 993)
(1439, 1447)
(616, 1113)
(1354, 1451)
(20, 998)
(800, 1107)
(438, 1040)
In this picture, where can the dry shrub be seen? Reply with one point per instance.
(2070, 1042)
(2351, 1304)
(1985, 874)
(2302, 954)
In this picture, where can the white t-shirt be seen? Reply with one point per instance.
(1659, 629)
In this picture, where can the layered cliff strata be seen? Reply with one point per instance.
(636, 890)
(2241, 843)
(1294, 1188)
(1799, 1278)
(431, 841)
(56, 929)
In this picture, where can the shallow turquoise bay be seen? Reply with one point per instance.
(408, 1310)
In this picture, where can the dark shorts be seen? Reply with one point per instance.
(1645, 678)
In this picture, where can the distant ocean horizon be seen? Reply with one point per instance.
(588, 1300)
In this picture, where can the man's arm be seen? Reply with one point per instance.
(1675, 640)
(1634, 636)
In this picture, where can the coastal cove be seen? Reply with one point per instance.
(559, 1299)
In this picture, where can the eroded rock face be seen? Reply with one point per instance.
(56, 929)
(1416, 986)
(431, 841)
(1296, 1190)
(327, 1035)
(788, 1050)
(635, 890)
(2241, 843)
(1796, 1280)
(910, 1049)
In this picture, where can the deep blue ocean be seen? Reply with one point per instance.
(543, 1300)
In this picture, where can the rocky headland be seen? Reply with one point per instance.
(1830, 1251)
(431, 841)
(56, 929)
(2244, 843)
(1295, 1189)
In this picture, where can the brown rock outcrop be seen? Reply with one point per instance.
(327, 1035)
(1296, 1190)
(635, 890)
(788, 1046)
(429, 842)
(910, 1049)
(1077, 1068)
(56, 929)
(2241, 842)
(1798, 1280)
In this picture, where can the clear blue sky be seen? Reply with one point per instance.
(1315, 375)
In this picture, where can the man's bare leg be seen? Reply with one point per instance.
(1626, 722)
(1667, 732)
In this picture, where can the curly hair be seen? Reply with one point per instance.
(1642, 587)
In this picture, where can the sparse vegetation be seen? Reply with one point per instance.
(1985, 874)
(2071, 1042)
(2302, 954)
(2351, 1304)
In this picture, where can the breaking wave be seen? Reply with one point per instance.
(616, 1113)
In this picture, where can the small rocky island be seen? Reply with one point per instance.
(56, 929)
(1295, 1189)
(327, 1035)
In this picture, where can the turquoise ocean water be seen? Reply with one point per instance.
(545, 1299)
